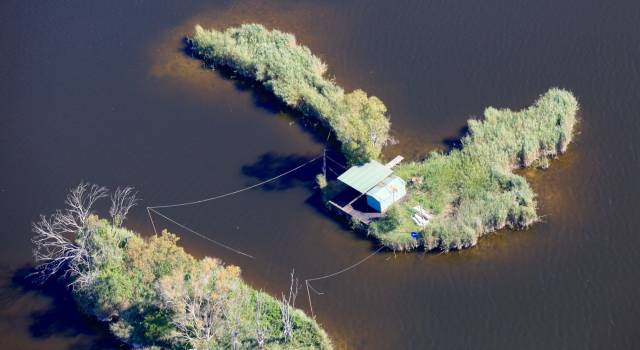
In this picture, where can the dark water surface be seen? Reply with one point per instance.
(101, 92)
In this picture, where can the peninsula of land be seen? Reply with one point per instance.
(464, 193)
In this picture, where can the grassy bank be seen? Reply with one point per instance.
(155, 295)
(472, 191)
(296, 77)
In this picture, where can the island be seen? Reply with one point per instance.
(153, 294)
(448, 200)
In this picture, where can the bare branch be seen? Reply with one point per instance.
(261, 332)
(286, 306)
(122, 200)
(53, 252)
(60, 239)
(81, 199)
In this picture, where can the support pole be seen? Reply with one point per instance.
(324, 162)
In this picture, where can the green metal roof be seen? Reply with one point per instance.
(364, 177)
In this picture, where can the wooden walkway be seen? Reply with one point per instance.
(395, 161)
(351, 212)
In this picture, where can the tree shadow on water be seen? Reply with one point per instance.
(262, 97)
(455, 142)
(258, 92)
(62, 318)
(270, 165)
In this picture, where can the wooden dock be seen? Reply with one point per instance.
(351, 212)
(395, 161)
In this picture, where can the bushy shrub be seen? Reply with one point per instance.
(472, 190)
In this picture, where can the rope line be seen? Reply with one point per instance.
(346, 268)
(314, 290)
(200, 234)
(152, 223)
(309, 296)
(333, 171)
(310, 287)
(336, 162)
(237, 191)
(307, 281)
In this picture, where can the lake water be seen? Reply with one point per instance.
(102, 92)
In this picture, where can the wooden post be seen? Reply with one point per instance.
(324, 162)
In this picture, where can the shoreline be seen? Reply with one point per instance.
(470, 191)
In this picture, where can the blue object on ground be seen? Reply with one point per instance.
(414, 234)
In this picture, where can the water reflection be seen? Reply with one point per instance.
(48, 313)
(170, 65)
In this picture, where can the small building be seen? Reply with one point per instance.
(377, 182)
(385, 193)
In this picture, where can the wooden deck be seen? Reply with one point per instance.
(358, 215)
(395, 161)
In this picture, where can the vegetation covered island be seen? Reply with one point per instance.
(451, 198)
(152, 293)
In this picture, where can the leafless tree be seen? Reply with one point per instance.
(80, 201)
(53, 251)
(286, 306)
(60, 239)
(122, 200)
(261, 332)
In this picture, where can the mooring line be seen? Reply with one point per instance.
(201, 235)
(152, 223)
(310, 287)
(336, 162)
(347, 268)
(237, 191)
(309, 296)
(308, 280)
(314, 290)
(333, 171)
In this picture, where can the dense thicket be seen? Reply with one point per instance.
(472, 190)
(296, 77)
(155, 295)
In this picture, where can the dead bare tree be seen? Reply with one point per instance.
(286, 306)
(60, 239)
(53, 251)
(122, 200)
(261, 332)
(80, 201)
